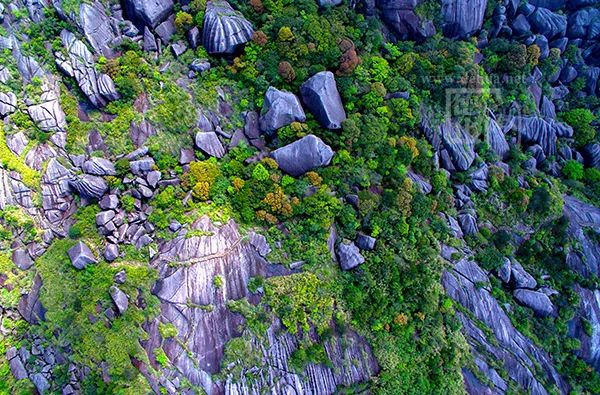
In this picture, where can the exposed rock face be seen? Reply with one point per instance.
(190, 301)
(99, 167)
(582, 216)
(81, 255)
(120, 299)
(365, 242)
(8, 103)
(589, 310)
(422, 184)
(99, 88)
(97, 26)
(30, 307)
(308, 153)
(319, 93)
(400, 16)
(496, 140)
(224, 28)
(520, 277)
(349, 255)
(535, 130)
(56, 197)
(462, 18)
(458, 144)
(537, 301)
(48, 115)
(148, 12)
(280, 109)
(508, 346)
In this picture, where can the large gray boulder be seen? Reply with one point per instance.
(224, 28)
(462, 18)
(539, 302)
(548, 23)
(536, 130)
(308, 153)
(81, 255)
(520, 277)
(319, 93)
(280, 109)
(120, 299)
(349, 255)
(209, 144)
(148, 12)
(496, 140)
(583, 220)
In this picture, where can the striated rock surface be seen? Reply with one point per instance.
(48, 115)
(462, 18)
(588, 313)
(535, 130)
(496, 139)
(547, 23)
(583, 217)
(224, 28)
(458, 144)
(319, 93)
(148, 12)
(308, 153)
(89, 186)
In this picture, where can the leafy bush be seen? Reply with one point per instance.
(573, 170)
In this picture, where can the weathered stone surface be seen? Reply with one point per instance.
(111, 252)
(209, 143)
(99, 88)
(41, 383)
(308, 153)
(17, 142)
(458, 144)
(280, 109)
(586, 259)
(149, 43)
(535, 130)
(120, 299)
(141, 166)
(548, 23)
(30, 307)
(349, 255)
(320, 95)
(8, 103)
(591, 154)
(496, 140)
(422, 184)
(97, 26)
(48, 115)
(81, 255)
(365, 242)
(468, 224)
(224, 28)
(166, 30)
(22, 259)
(462, 18)
(89, 186)
(520, 277)
(148, 12)
(99, 167)
(537, 301)
(400, 17)
(505, 271)
(589, 310)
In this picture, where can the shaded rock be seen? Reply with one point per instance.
(139, 133)
(30, 307)
(365, 242)
(120, 299)
(505, 271)
(224, 28)
(103, 217)
(16, 366)
(149, 43)
(537, 301)
(587, 313)
(81, 255)
(349, 255)
(548, 23)
(97, 26)
(568, 74)
(200, 65)
(520, 25)
(209, 144)
(468, 224)
(280, 109)
(178, 48)
(308, 153)
(259, 242)
(141, 166)
(401, 18)
(462, 18)
(89, 186)
(109, 202)
(319, 93)
(521, 278)
(166, 30)
(99, 167)
(591, 154)
(547, 109)
(422, 184)
(193, 36)
(583, 218)
(17, 142)
(148, 12)
(41, 383)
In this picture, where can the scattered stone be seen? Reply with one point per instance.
(178, 48)
(200, 65)
(308, 153)
(103, 217)
(120, 299)
(8, 103)
(121, 277)
(109, 202)
(319, 93)
(81, 255)
(505, 271)
(521, 278)
(141, 166)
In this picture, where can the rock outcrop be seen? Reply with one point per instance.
(349, 255)
(47, 114)
(148, 12)
(224, 28)
(280, 109)
(462, 18)
(400, 17)
(308, 153)
(583, 217)
(535, 130)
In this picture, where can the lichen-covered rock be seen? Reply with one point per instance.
(308, 153)
(148, 12)
(539, 302)
(280, 109)
(224, 28)
(349, 255)
(319, 93)
(81, 255)
(462, 18)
